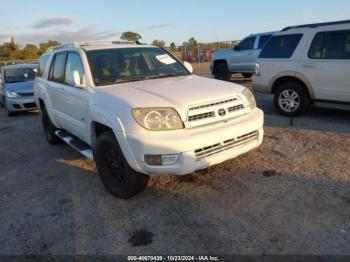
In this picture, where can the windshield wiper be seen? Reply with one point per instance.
(163, 76)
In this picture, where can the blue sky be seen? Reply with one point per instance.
(173, 21)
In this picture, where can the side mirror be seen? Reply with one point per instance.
(188, 66)
(237, 48)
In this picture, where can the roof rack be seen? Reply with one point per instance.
(89, 43)
(316, 25)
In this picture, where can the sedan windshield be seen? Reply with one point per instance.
(121, 65)
(19, 74)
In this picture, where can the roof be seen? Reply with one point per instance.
(316, 25)
(96, 45)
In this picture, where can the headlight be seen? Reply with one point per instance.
(11, 94)
(157, 119)
(250, 98)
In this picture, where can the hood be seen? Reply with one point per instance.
(177, 92)
(20, 87)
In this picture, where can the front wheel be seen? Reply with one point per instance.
(291, 99)
(49, 128)
(8, 111)
(222, 72)
(115, 173)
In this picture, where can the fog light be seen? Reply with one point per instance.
(161, 160)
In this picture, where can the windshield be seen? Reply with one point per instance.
(132, 64)
(13, 75)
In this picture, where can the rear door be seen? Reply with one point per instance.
(55, 86)
(327, 65)
(243, 58)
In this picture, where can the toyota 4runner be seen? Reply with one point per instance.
(137, 111)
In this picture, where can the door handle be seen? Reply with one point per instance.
(309, 65)
(61, 89)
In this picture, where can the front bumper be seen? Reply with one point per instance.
(20, 104)
(198, 148)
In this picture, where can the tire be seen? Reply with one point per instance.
(221, 72)
(246, 75)
(2, 104)
(8, 111)
(49, 128)
(291, 94)
(115, 173)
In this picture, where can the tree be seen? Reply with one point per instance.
(172, 47)
(131, 36)
(159, 43)
(30, 51)
(11, 50)
(45, 45)
(192, 45)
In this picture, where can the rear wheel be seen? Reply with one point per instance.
(291, 99)
(222, 72)
(246, 75)
(49, 128)
(116, 174)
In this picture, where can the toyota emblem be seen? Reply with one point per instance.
(222, 112)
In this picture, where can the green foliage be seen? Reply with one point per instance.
(30, 51)
(11, 50)
(44, 46)
(159, 43)
(192, 45)
(172, 47)
(131, 36)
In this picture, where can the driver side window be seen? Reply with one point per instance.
(74, 74)
(247, 44)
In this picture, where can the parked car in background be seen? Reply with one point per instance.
(16, 88)
(240, 59)
(306, 64)
(137, 111)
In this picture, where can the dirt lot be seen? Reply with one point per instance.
(290, 196)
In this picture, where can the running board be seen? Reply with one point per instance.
(75, 143)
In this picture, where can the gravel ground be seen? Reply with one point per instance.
(290, 196)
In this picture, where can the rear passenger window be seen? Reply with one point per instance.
(281, 46)
(247, 44)
(331, 45)
(58, 67)
(263, 40)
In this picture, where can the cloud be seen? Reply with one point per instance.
(53, 21)
(152, 27)
(63, 35)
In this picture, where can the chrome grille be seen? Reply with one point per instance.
(235, 108)
(225, 145)
(216, 110)
(213, 104)
(201, 116)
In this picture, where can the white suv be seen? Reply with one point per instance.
(307, 64)
(137, 111)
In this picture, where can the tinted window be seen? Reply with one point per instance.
(263, 40)
(281, 46)
(42, 65)
(247, 44)
(331, 45)
(74, 70)
(113, 66)
(57, 68)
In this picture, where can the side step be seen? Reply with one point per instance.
(76, 143)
